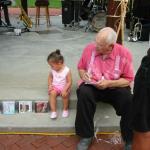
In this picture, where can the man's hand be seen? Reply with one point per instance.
(103, 84)
(86, 77)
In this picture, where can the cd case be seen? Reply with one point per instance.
(8, 107)
(41, 107)
(25, 106)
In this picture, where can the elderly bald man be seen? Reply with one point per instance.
(106, 72)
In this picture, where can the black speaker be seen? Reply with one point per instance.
(145, 31)
(67, 11)
(141, 9)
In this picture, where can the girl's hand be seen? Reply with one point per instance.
(50, 88)
(64, 93)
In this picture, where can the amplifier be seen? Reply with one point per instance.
(145, 34)
(67, 11)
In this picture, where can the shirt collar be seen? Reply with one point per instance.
(110, 56)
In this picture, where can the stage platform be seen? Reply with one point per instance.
(24, 71)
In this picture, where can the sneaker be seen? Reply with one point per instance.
(53, 115)
(65, 113)
(84, 143)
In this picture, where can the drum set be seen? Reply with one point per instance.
(94, 11)
(97, 15)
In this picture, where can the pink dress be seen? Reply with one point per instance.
(59, 79)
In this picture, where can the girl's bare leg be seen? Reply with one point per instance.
(65, 102)
(52, 100)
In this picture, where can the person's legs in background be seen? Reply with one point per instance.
(5, 8)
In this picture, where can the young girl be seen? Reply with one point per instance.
(59, 83)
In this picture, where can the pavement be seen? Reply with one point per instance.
(24, 71)
(45, 142)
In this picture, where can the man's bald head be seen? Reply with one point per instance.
(107, 36)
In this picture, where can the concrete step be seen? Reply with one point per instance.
(72, 103)
(105, 121)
